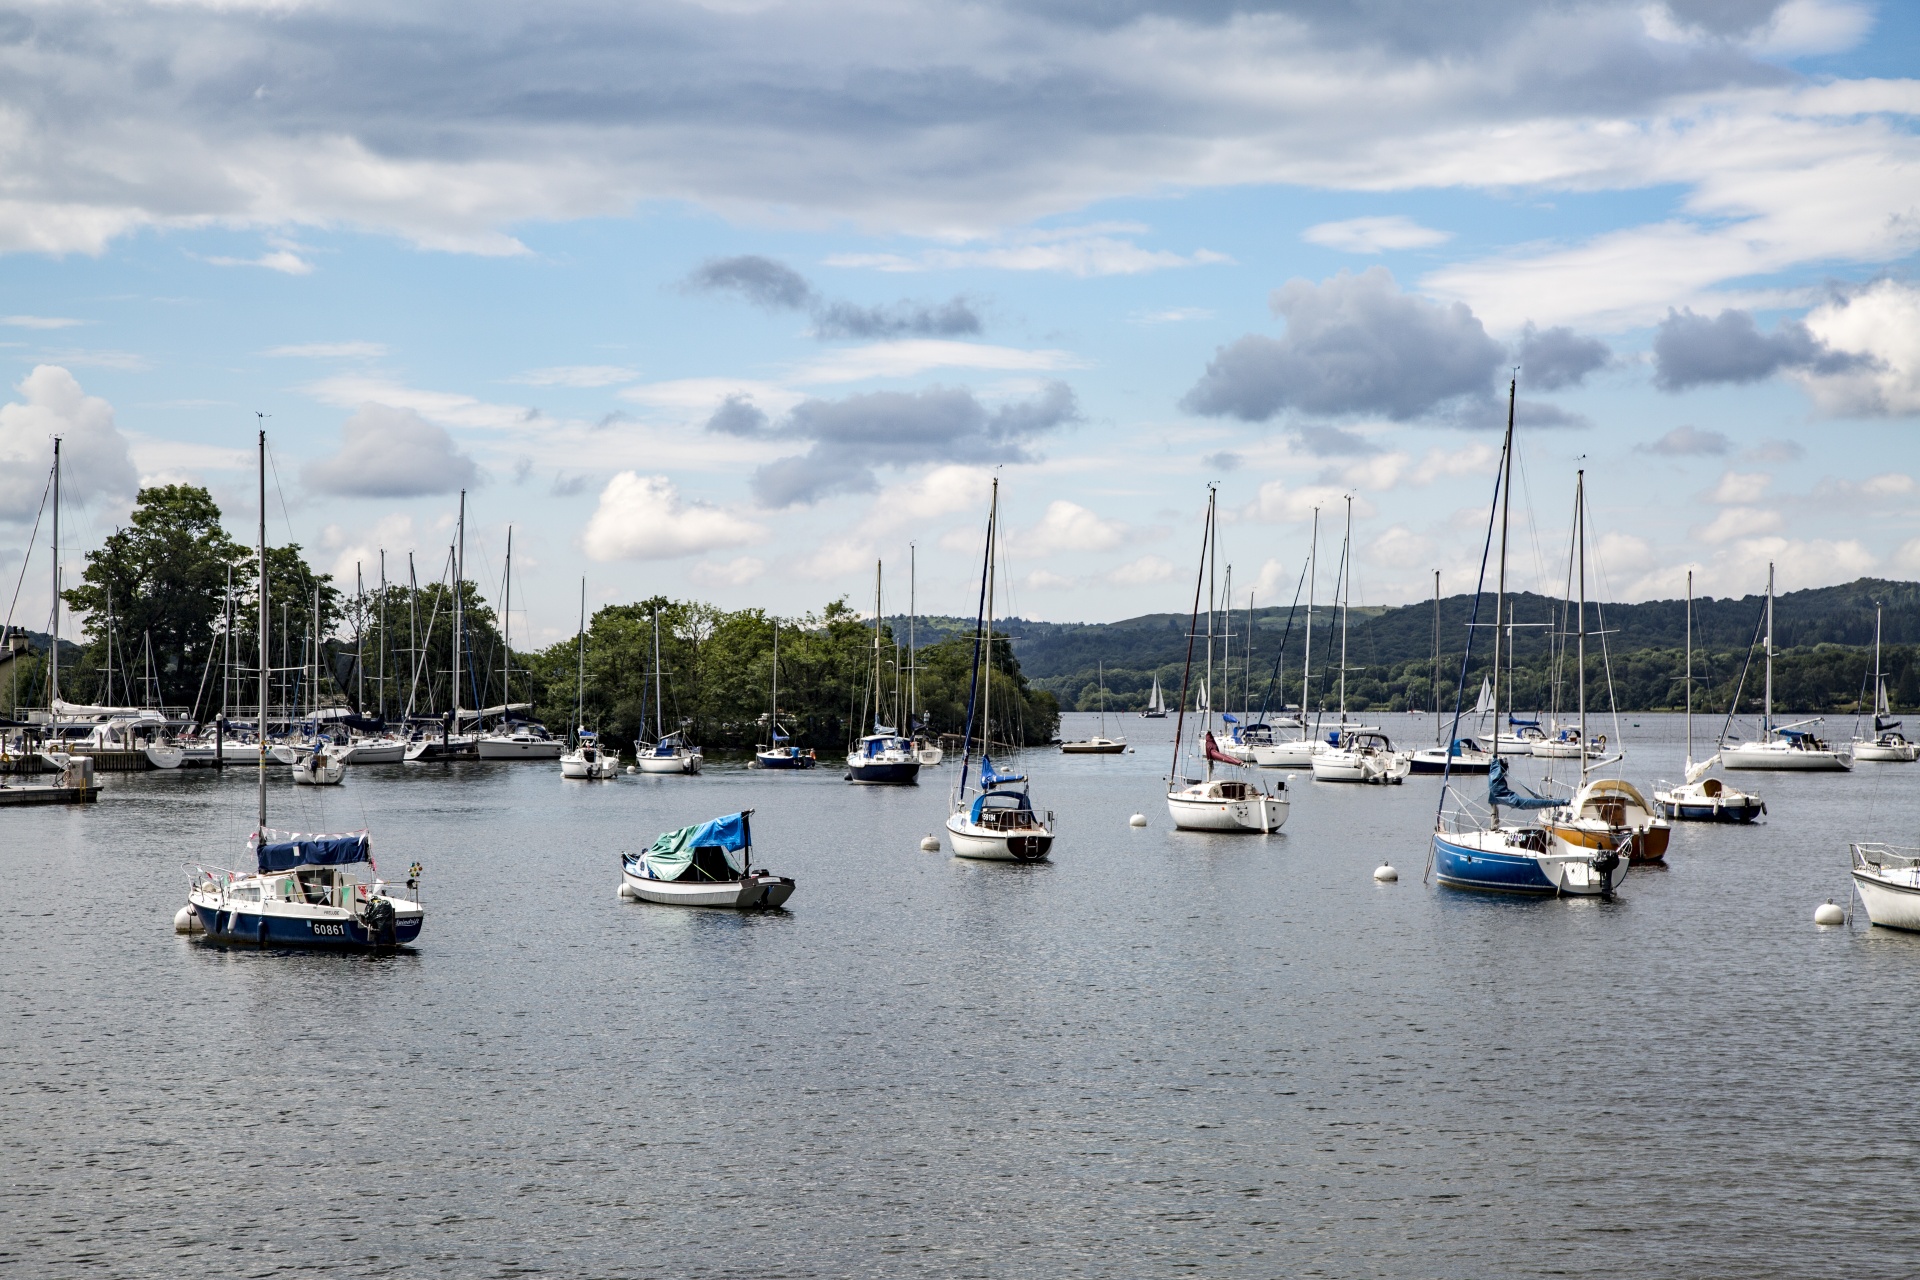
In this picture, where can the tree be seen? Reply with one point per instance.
(160, 581)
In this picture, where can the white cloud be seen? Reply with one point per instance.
(1741, 522)
(181, 461)
(942, 491)
(1145, 571)
(361, 546)
(1740, 488)
(837, 558)
(645, 518)
(1399, 547)
(1277, 502)
(1102, 250)
(38, 322)
(391, 452)
(450, 407)
(1171, 315)
(1802, 27)
(911, 357)
(737, 572)
(94, 461)
(331, 350)
(1623, 553)
(577, 375)
(1046, 580)
(1881, 323)
(285, 261)
(1374, 235)
(1068, 526)
(1890, 484)
(1274, 583)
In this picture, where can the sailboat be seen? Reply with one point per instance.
(454, 743)
(778, 752)
(668, 752)
(588, 761)
(1700, 798)
(1356, 753)
(1473, 848)
(1786, 746)
(1099, 744)
(1605, 813)
(515, 738)
(1156, 702)
(1000, 824)
(1888, 743)
(882, 757)
(1208, 803)
(307, 890)
(926, 748)
(1298, 753)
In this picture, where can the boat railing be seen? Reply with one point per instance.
(1459, 813)
(1875, 856)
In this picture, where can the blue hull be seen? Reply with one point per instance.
(897, 775)
(250, 929)
(785, 762)
(1465, 868)
(1711, 813)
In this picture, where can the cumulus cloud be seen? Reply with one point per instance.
(389, 452)
(1353, 344)
(778, 287)
(1693, 350)
(94, 460)
(853, 437)
(1880, 325)
(1740, 487)
(1374, 235)
(1143, 572)
(645, 518)
(737, 572)
(1277, 502)
(1741, 522)
(1068, 526)
(1553, 359)
(1690, 442)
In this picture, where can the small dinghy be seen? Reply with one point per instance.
(706, 865)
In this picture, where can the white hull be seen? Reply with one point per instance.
(1512, 745)
(375, 751)
(1889, 904)
(1026, 844)
(1903, 753)
(1769, 755)
(519, 748)
(748, 893)
(1259, 813)
(584, 768)
(1349, 766)
(1288, 755)
(929, 756)
(182, 757)
(689, 763)
(320, 770)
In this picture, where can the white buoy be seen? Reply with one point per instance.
(1827, 913)
(1137, 820)
(626, 892)
(930, 843)
(633, 768)
(186, 920)
(1385, 873)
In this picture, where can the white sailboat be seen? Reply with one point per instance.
(1298, 753)
(884, 757)
(1208, 803)
(926, 748)
(514, 738)
(1888, 744)
(1786, 746)
(1156, 702)
(1000, 824)
(1355, 752)
(1099, 744)
(668, 752)
(1699, 798)
(588, 761)
(307, 891)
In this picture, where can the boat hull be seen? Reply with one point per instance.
(689, 763)
(1767, 757)
(1093, 748)
(1027, 844)
(749, 893)
(1484, 861)
(1259, 815)
(899, 773)
(1345, 766)
(393, 752)
(1889, 905)
(183, 757)
(506, 749)
(339, 932)
(1746, 809)
(599, 768)
(1883, 753)
(1287, 755)
(1434, 761)
(783, 760)
(434, 751)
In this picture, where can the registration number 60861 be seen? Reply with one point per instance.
(329, 930)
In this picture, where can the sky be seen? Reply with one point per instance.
(730, 300)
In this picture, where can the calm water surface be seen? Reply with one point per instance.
(1161, 1053)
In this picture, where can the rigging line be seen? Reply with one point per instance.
(1740, 687)
(25, 560)
(285, 518)
(1280, 656)
(1466, 655)
(1206, 531)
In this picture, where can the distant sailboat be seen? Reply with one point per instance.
(1700, 798)
(778, 752)
(668, 752)
(1888, 743)
(1786, 746)
(588, 760)
(1099, 744)
(1156, 703)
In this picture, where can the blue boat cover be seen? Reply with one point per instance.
(989, 778)
(672, 851)
(1229, 717)
(1500, 791)
(292, 850)
(1015, 800)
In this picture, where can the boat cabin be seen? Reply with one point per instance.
(1004, 811)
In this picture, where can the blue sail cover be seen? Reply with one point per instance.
(672, 851)
(989, 778)
(1500, 791)
(290, 850)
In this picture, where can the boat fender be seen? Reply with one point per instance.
(1829, 914)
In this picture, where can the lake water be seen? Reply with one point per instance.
(1160, 1053)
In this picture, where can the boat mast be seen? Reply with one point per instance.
(1689, 670)
(1766, 723)
(1500, 591)
(1226, 648)
(1306, 664)
(877, 566)
(53, 647)
(506, 631)
(260, 772)
(382, 680)
(1102, 668)
(1212, 552)
(413, 632)
(1435, 682)
(1346, 603)
(913, 660)
(658, 723)
(773, 720)
(580, 685)
(1879, 690)
(1174, 776)
(313, 690)
(459, 614)
(1580, 649)
(986, 691)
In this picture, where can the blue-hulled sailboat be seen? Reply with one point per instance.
(779, 752)
(1472, 847)
(306, 890)
(884, 757)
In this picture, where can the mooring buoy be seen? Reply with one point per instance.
(930, 843)
(1137, 820)
(1385, 873)
(1828, 913)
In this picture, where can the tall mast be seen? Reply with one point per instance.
(1766, 723)
(1103, 697)
(658, 731)
(383, 636)
(413, 630)
(1500, 591)
(1226, 646)
(1876, 669)
(1212, 550)
(1313, 574)
(359, 643)
(773, 722)
(1580, 651)
(580, 688)
(260, 772)
(506, 629)
(1174, 775)
(313, 690)
(913, 659)
(1435, 681)
(877, 566)
(459, 615)
(53, 649)
(986, 693)
(1346, 602)
(1689, 670)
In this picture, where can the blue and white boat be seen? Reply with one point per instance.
(779, 752)
(1472, 847)
(884, 757)
(306, 890)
